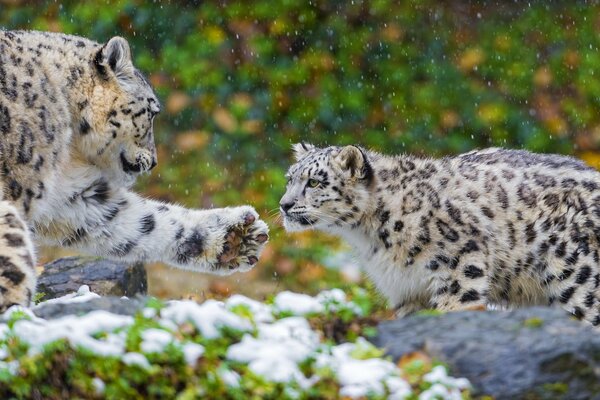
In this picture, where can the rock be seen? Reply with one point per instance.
(104, 277)
(532, 353)
(115, 305)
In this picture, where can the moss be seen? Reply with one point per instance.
(429, 313)
(556, 388)
(534, 322)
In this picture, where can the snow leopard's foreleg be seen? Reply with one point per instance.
(119, 224)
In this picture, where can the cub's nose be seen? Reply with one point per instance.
(285, 206)
(154, 163)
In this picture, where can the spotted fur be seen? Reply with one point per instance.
(75, 132)
(497, 226)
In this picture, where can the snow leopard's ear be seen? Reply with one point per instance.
(301, 149)
(353, 161)
(114, 57)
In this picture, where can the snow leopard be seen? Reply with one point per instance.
(494, 226)
(76, 130)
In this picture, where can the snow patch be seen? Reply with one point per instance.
(82, 295)
(136, 359)
(192, 352)
(155, 340)
(78, 330)
(276, 351)
(260, 311)
(297, 303)
(207, 317)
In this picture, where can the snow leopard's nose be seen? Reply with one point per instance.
(286, 205)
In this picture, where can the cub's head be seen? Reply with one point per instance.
(115, 130)
(327, 188)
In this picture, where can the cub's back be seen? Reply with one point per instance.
(527, 184)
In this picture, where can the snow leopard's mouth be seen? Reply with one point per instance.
(136, 167)
(301, 219)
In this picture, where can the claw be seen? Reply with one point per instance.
(262, 238)
(249, 219)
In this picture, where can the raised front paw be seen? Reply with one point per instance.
(222, 241)
(243, 242)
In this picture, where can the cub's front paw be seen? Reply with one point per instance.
(244, 241)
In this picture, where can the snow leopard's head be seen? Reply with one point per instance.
(327, 188)
(116, 128)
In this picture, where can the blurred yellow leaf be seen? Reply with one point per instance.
(55, 26)
(278, 26)
(192, 140)
(556, 124)
(158, 80)
(491, 113)
(449, 119)
(392, 33)
(285, 266)
(571, 59)
(281, 100)
(471, 59)
(548, 111)
(311, 272)
(177, 101)
(502, 42)
(595, 133)
(252, 126)
(224, 120)
(542, 77)
(591, 158)
(215, 35)
(242, 100)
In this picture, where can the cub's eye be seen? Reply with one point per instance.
(313, 183)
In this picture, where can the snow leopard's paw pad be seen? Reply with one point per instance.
(243, 242)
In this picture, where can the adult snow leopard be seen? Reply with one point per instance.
(492, 226)
(75, 132)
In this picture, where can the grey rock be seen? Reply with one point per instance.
(532, 353)
(104, 277)
(115, 305)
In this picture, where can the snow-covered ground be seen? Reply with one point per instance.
(276, 341)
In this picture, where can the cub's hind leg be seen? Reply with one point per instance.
(461, 283)
(574, 284)
(17, 272)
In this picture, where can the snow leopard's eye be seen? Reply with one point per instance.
(313, 183)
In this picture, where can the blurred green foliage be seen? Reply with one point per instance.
(243, 80)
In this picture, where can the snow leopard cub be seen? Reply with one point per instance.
(498, 226)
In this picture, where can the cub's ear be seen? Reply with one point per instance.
(301, 150)
(114, 56)
(353, 161)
